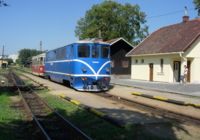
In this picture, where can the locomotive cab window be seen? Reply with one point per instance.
(84, 51)
(95, 51)
(105, 52)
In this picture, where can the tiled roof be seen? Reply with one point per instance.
(169, 39)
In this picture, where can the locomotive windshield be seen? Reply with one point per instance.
(84, 51)
(105, 51)
(95, 51)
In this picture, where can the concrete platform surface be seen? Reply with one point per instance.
(179, 88)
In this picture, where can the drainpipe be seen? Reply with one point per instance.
(183, 62)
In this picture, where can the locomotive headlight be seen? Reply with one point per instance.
(84, 70)
(107, 69)
(84, 78)
(41, 68)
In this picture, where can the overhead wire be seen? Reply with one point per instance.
(169, 13)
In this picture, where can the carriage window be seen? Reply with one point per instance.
(41, 60)
(105, 52)
(84, 51)
(95, 51)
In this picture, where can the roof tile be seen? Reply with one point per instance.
(173, 38)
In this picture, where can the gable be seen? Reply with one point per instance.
(194, 50)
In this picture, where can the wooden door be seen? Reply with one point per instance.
(188, 74)
(151, 72)
(177, 71)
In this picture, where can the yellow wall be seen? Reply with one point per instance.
(141, 70)
(193, 54)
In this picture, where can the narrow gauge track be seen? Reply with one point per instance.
(51, 123)
(155, 110)
(147, 108)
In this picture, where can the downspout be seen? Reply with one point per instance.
(183, 62)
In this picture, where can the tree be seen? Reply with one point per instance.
(113, 20)
(25, 56)
(197, 5)
(9, 60)
(3, 3)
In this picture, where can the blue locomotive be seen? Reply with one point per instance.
(85, 65)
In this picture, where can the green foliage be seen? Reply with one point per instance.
(9, 60)
(113, 20)
(25, 56)
(197, 5)
(9, 117)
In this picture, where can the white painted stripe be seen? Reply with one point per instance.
(77, 75)
(83, 62)
(78, 60)
(102, 66)
(59, 61)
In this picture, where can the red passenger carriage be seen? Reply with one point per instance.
(38, 64)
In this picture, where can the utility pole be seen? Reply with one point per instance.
(40, 45)
(2, 56)
(99, 34)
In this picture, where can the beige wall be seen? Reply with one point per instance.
(141, 70)
(193, 54)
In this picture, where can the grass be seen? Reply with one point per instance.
(92, 125)
(9, 117)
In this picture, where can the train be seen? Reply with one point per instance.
(37, 66)
(84, 65)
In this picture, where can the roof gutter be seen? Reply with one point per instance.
(171, 53)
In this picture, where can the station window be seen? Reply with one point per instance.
(142, 61)
(136, 61)
(105, 52)
(161, 65)
(95, 51)
(84, 51)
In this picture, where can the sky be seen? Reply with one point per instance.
(27, 22)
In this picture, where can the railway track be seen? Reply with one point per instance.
(174, 116)
(50, 122)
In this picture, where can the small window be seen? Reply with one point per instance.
(161, 65)
(105, 51)
(142, 61)
(41, 60)
(136, 61)
(95, 51)
(125, 64)
(84, 51)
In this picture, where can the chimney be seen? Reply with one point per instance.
(186, 17)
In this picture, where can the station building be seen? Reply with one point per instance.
(164, 53)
